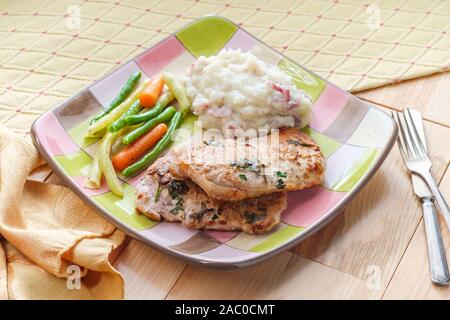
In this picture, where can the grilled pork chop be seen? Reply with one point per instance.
(236, 169)
(162, 193)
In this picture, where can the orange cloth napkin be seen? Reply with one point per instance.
(52, 246)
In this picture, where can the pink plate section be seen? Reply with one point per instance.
(161, 55)
(222, 236)
(53, 137)
(307, 206)
(327, 107)
(241, 40)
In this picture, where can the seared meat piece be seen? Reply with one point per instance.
(162, 193)
(236, 169)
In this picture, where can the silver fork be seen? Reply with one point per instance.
(416, 159)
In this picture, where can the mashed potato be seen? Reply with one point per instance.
(235, 90)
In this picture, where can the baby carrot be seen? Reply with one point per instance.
(150, 94)
(153, 154)
(134, 151)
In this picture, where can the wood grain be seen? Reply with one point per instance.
(53, 178)
(148, 274)
(376, 227)
(412, 277)
(40, 173)
(285, 276)
(430, 95)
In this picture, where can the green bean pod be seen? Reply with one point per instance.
(153, 154)
(165, 116)
(135, 108)
(106, 165)
(95, 173)
(115, 114)
(123, 94)
(162, 102)
(178, 91)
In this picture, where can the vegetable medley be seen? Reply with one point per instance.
(141, 120)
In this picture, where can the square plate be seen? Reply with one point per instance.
(354, 137)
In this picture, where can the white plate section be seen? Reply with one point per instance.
(220, 253)
(371, 132)
(180, 65)
(341, 162)
(169, 234)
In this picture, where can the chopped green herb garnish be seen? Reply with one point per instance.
(243, 177)
(251, 217)
(199, 214)
(157, 193)
(281, 174)
(177, 188)
(178, 206)
(294, 142)
(217, 214)
(298, 143)
(246, 164)
(280, 184)
(259, 217)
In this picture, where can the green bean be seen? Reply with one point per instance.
(178, 91)
(106, 164)
(116, 113)
(162, 102)
(120, 123)
(95, 173)
(165, 116)
(123, 94)
(162, 144)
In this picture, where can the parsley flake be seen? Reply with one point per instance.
(281, 174)
(280, 184)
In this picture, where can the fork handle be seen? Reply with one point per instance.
(442, 204)
(436, 253)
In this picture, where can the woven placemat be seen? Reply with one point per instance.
(49, 50)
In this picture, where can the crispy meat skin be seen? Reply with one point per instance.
(232, 170)
(181, 200)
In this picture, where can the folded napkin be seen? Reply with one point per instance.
(52, 246)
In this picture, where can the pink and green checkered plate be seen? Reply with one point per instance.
(354, 137)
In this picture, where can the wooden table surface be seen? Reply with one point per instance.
(375, 249)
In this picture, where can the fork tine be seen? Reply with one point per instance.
(417, 139)
(409, 136)
(400, 145)
(402, 149)
(405, 142)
